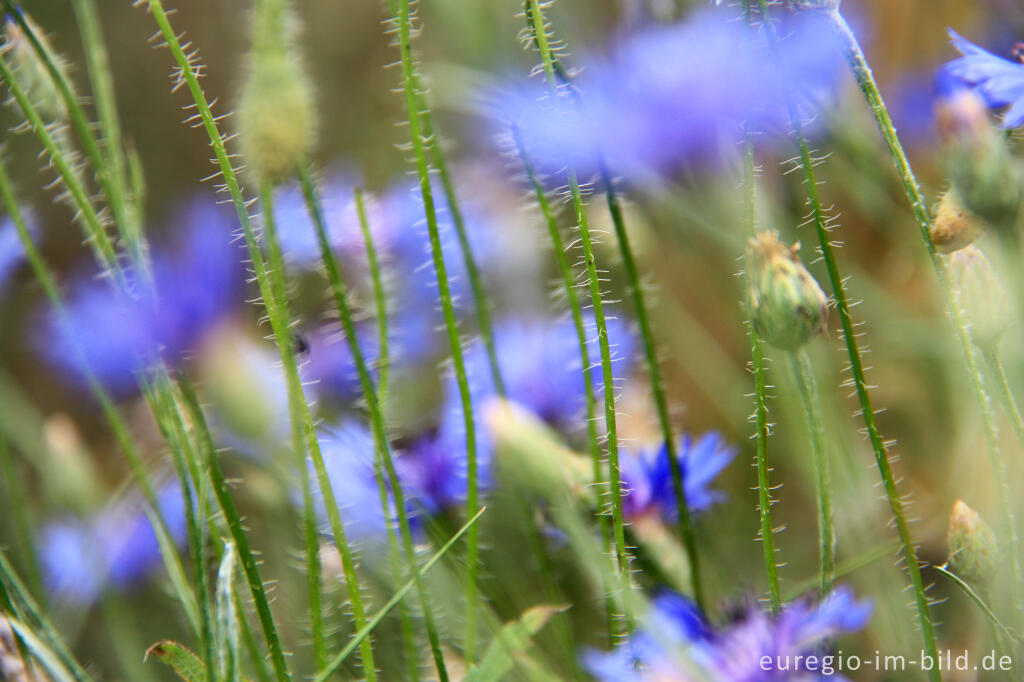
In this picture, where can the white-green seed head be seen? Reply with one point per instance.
(980, 295)
(973, 550)
(786, 305)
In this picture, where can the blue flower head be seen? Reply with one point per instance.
(118, 333)
(115, 549)
(434, 470)
(674, 633)
(1000, 81)
(348, 452)
(671, 94)
(11, 251)
(647, 476)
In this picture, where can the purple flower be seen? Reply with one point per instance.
(11, 251)
(676, 639)
(1000, 81)
(647, 476)
(348, 452)
(670, 94)
(118, 333)
(116, 549)
(435, 472)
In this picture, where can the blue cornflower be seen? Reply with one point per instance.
(116, 549)
(671, 94)
(676, 643)
(118, 333)
(348, 452)
(434, 470)
(11, 252)
(329, 366)
(647, 476)
(1000, 81)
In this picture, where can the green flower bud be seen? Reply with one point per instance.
(980, 295)
(954, 226)
(973, 550)
(277, 110)
(988, 178)
(29, 70)
(786, 305)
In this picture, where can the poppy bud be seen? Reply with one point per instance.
(786, 305)
(954, 227)
(972, 544)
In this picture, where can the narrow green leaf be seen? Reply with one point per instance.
(41, 652)
(227, 616)
(188, 666)
(511, 641)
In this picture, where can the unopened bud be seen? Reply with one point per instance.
(972, 544)
(787, 307)
(30, 71)
(954, 227)
(988, 178)
(980, 295)
(277, 111)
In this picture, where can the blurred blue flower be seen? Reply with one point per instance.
(670, 94)
(11, 251)
(647, 476)
(434, 470)
(119, 333)
(116, 549)
(329, 366)
(1000, 81)
(348, 453)
(674, 636)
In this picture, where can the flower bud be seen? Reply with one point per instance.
(29, 70)
(988, 178)
(954, 227)
(972, 544)
(786, 305)
(980, 295)
(276, 113)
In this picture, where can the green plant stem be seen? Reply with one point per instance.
(536, 22)
(576, 310)
(226, 502)
(380, 297)
(810, 399)
(636, 291)
(95, 233)
(19, 510)
(760, 417)
(995, 365)
(862, 72)
(303, 428)
(404, 23)
(377, 423)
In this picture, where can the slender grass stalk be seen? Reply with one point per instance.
(810, 399)
(862, 72)
(440, 164)
(760, 416)
(398, 596)
(18, 511)
(16, 599)
(878, 445)
(377, 423)
(994, 361)
(383, 365)
(222, 492)
(256, 657)
(380, 298)
(404, 23)
(304, 430)
(576, 310)
(96, 235)
(128, 215)
(535, 20)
